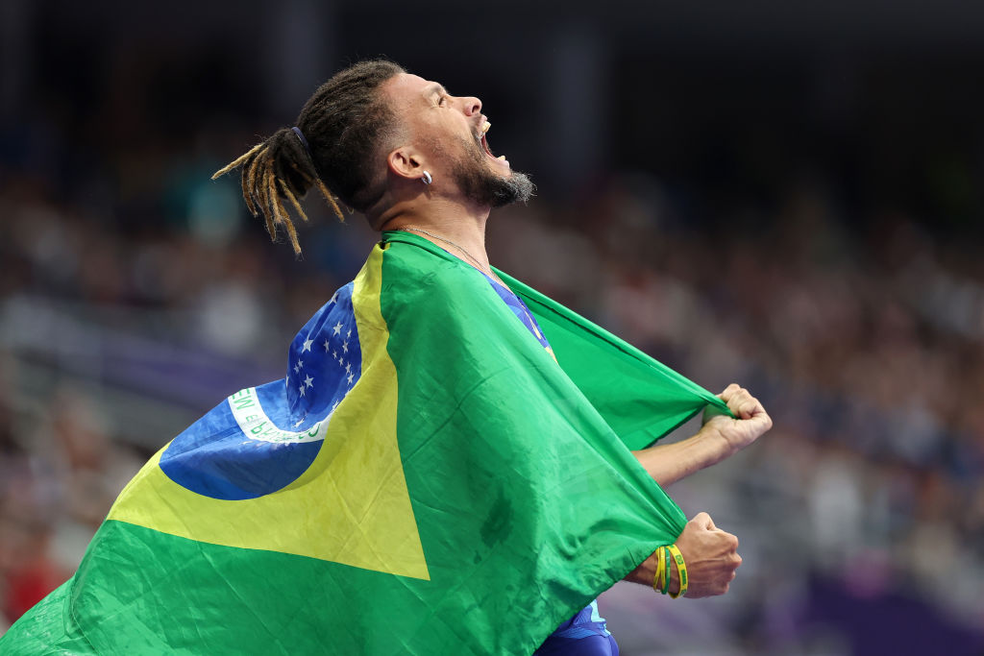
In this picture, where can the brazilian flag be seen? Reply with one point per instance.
(426, 479)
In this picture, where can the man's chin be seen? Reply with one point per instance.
(492, 188)
(513, 187)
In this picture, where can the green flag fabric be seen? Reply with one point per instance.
(640, 398)
(426, 479)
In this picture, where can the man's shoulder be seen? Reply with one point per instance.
(418, 282)
(420, 272)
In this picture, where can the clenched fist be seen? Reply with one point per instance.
(711, 557)
(751, 420)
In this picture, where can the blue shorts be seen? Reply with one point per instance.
(585, 634)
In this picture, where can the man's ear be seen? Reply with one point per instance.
(406, 163)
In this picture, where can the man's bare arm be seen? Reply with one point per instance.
(720, 437)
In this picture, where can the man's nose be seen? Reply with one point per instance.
(472, 105)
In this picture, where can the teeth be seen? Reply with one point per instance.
(485, 127)
(502, 157)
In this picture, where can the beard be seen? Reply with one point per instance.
(484, 186)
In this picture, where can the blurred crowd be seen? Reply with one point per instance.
(866, 347)
(130, 306)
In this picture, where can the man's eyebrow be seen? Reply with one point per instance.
(435, 89)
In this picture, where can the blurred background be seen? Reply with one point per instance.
(788, 195)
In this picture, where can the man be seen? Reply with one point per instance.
(445, 136)
(446, 466)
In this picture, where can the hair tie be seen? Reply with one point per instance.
(304, 142)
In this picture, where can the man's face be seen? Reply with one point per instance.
(452, 130)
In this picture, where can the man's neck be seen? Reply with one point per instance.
(445, 223)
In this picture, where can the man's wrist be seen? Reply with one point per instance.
(645, 574)
(714, 445)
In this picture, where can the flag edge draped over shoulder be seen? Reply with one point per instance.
(583, 332)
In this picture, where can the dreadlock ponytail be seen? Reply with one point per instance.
(334, 146)
(276, 170)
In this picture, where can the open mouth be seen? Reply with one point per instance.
(485, 143)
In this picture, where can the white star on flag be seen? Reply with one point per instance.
(341, 361)
(296, 368)
(309, 382)
(334, 354)
(301, 388)
(349, 333)
(348, 368)
(338, 327)
(327, 346)
(345, 346)
(350, 377)
(307, 345)
(299, 422)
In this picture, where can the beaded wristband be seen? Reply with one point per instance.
(681, 569)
